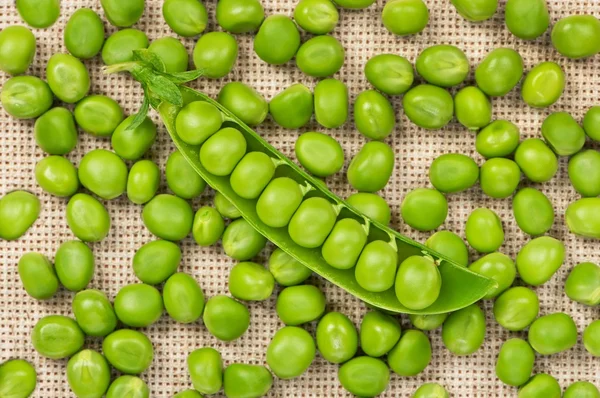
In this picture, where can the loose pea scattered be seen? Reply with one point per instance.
(120, 45)
(379, 333)
(564, 135)
(496, 266)
(57, 337)
(320, 154)
(74, 263)
(583, 217)
(17, 49)
(553, 333)
(499, 72)
(527, 19)
(26, 97)
(463, 331)
(472, 107)
(293, 107)
(533, 211)
(499, 177)
(143, 181)
(225, 318)
(431, 390)
(98, 115)
(584, 173)
(39, 14)
(411, 355)
(453, 172)
(88, 374)
(103, 173)
(205, 366)
(277, 40)
(372, 205)
(516, 308)
(498, 139)
(172, 53)
(443, 65)
(450, 245)
(129, 351)
(424, 209)
(300, 304)
(374, 116)
(405, 17)
(128, 386)
(331, 103)
(251, 282)
(290, 352)
(286, 270)
(84, 34)
(583, 284)
(542, 385)
(240, 16)
(38, 276)
(337, 338)
(138, 305)
(57, 176)
(215, 53)
(168, 217)
(591, 338)
(476, 10)
(582, 389)
(94, 313)
(484, 230)
(246, 381)
(364, 376)
(372, 167)
(156, 261)
(428, 106)
(390, 73)
(187, 18)
(55, 131)
(577, 36)
(515, 362)
(244, 102)
(18, 378)
(208, 226)
(183, 298)
(543, 85)
(123, 14)
(182, 179)
(539, 260)
(88, 218)
(241, 241)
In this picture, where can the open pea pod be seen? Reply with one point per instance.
(460, 287)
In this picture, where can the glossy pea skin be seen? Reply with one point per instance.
(541, 385)
(155, 261)
(18, 211)
(376, 266)
(128, 386)
(499, 139)
(222, 151)
(379, 333)
(536, 160)
(473, 108)
(293, 107)
(39, 14)
(300, 304)
(337, 338)
(354, 4)
(318, 17)
(453, 172)
(246, 381)
(484, 230)
(411, 355)
(290, 352)
(26, 97)
(527, 19)
(120, 45)
(225, 207)
(17, 49)
(443, 65)
(187, 18)
(183, 298)
(374, 116)
(499, 72)
(431, 390)
(277, 40)
(138, 305)
(312, 222)
(496, 266)
(424, 209)
(364, 376)
(38, 276)
(418, 282)
(57, 176)
(197, 121)
(516, 308)
(205, 367)
(583, 217)
(241, 241)
(320, 154)
(591, 338)
(543, 85)
(225, 318)
(390, 73)
(216, 54)
(371, 205)
(128, 351)
(515, 362)
(84, 34)
(463, 331)
(55, 131)
(182, 179)
(208, 226)
(57, 337)
(476, 10)
(94, 313)
(345, 244)
(123, 14)
(405, 17)
(244, 102)
(74, 264)
(584, 173)
(88, 374)
(429, 107)
(450, 245)
(583, 284)
(18, 379)
(553, 333)
(533, 211)
(371, 168)
(168, 217)
(286, 270)
(500, 177)
(581, 389)
(331, 103)
(563, 134)
(279, 201)
(539, 260)
(251, 282)
(591, 123)
(88, 218)
(577, 36)
(103, 173)
(427, 322)
(143, 181)
(172, 52)
(320, 56)
(98, 115)
(240, 16)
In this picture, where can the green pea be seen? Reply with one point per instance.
(312, 222)
(371, 205)
(286, 270)
(88, 374)
(428, 106)
(443, 65)
(337, 338)
(67, 77)
(583, 284)
(539, 260)
(484, 230)
(98, 115)
(345, 244)
(197, 121)
(553, 333)
(364, 376)
(128, 386)
(26, 97)
(244, 102)
(318, 17)
(225, 318)
(527, 19)
(17, 379)
(371, 168)
(168, 217)
(123, 14)
(57, 176)
(84, 34)
(184, 298)
(120, 45)
(405, 17)
(533, 211)
(290, 352)
(431, 390)
(172, 52)
(450, 245)
(581, 389)
(543, 85)
(94, 313)
(208, 226)
(418, 282)
(222, 151)
(591, 338)
(376, 267)
(379, 333)
(17, 49)
(205, 366)
(128, 351)
(103, 173)
(516, 308)
(374, 116)
(39, 14)
(252, 174)
(293, 107)
(300, 304)
(496, 266)
(55, 131)
(240, 16)
(251, 282)
(246, 381)
(187, 18)
(453, 172)
(143, 181)
(331, 101)
(515, 362)
(74, 263)
(241, 241)
(390, 73)
(541, 385)
(320, 56)
(591, 123)
(279, 201)
(584, 173)
(473, 108)
(38, 276)
(411, 355)
(88, 218)
(156, 261)
(57, 337)
(582, 217)
(476, 10)
(499, 72)
(277, 40)
(18, 211)
(577, 36)
(216, 54)
(424, 209)
(564, 135)
(354, 4)
(138, 305)
(463, 331)
(182, 179)
(500, 177)
(427, 322)
(225, 207)
(320, 154)
(536, 160)
(500, 138)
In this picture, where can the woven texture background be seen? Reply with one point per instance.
(363, 36)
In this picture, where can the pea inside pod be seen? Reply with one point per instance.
(450, 245)
(182, 179)
(374, 116)
(286, 270)
(376, 267)
(372, 205)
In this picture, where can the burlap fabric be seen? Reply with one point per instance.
(363, 36)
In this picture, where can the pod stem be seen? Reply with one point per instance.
(392, 242)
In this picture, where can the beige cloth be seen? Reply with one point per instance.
(363, 36)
